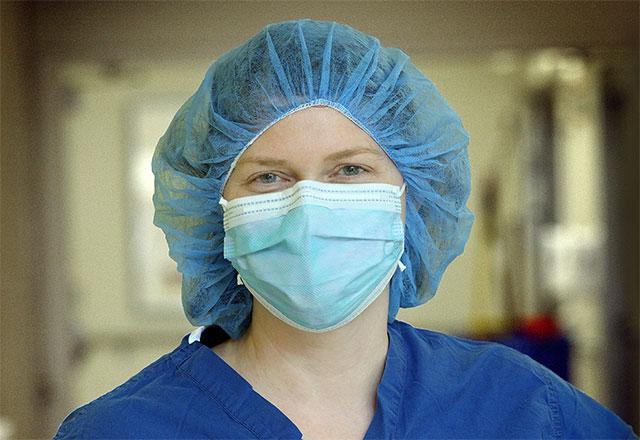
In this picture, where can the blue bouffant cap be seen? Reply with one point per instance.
(285, 67)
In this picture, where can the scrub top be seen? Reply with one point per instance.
(433, 386)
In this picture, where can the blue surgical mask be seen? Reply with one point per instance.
(317, 254)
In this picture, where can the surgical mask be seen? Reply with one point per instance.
(317, 254)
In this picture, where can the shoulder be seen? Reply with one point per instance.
(154, 403)
(487, 380)
(108, 414)
(461, 354)
(484, 367)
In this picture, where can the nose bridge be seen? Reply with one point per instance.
(298, 229)
(310, 167)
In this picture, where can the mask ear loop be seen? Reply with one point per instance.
(400, 263)
(223, 202)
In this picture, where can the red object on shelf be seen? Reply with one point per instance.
(540, 327)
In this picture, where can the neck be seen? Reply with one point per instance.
(350, 360)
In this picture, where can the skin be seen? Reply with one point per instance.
(324, 383)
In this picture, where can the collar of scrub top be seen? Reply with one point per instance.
(260, 416)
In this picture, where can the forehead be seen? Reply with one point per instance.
(311, 132)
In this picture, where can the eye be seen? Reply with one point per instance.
(351, 170)
(267, 178)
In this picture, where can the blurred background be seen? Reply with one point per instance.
(547, 90)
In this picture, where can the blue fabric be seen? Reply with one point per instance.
(433, 386)
(282, 69)
(554, 352)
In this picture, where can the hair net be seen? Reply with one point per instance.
(284, 68)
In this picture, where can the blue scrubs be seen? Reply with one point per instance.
(433, 386)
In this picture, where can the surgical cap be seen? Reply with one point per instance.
(284, 68)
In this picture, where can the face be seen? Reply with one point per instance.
(317, 143)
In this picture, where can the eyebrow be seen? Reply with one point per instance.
(268, 161)
(264, 161)
(354, 152)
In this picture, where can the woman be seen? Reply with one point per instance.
(315, 183)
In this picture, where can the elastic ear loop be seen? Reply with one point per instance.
(400, 263)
